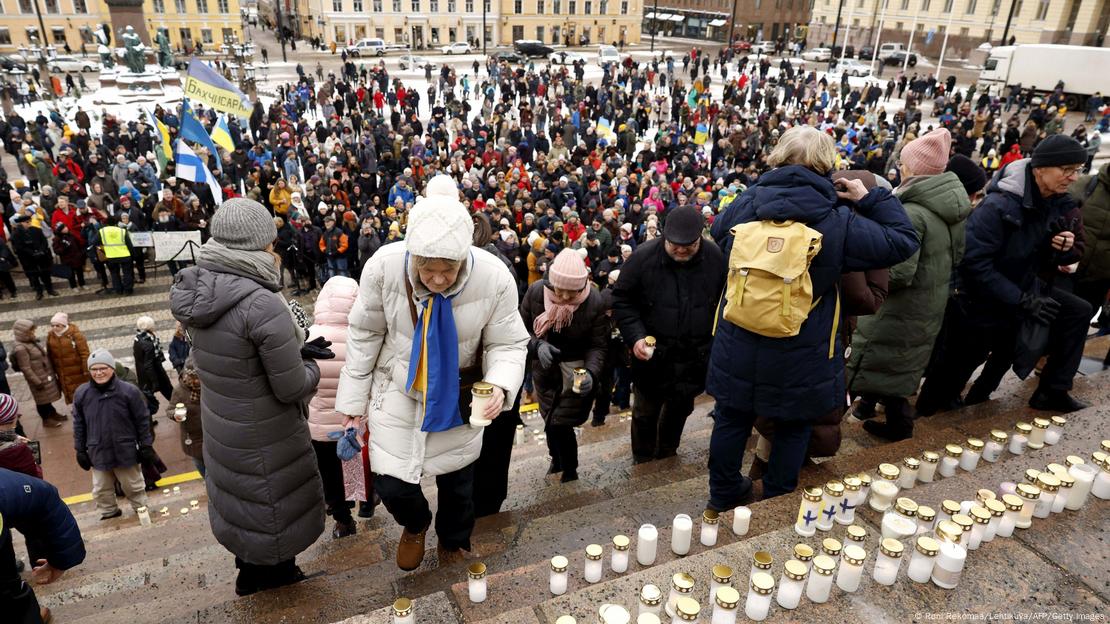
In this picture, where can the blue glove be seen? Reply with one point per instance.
(348, 445)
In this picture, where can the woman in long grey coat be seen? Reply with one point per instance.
(266, 501)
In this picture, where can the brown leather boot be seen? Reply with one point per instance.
(410, 550)
(447, 556)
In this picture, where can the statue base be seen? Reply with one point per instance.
(119, 85)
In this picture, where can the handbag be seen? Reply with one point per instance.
(61, 271)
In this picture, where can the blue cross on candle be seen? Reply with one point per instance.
(844, 506)
(830, 512)
(809, 517)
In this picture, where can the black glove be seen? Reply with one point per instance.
(546, 353)
(1042, 309)
(146, 454)
(83, 460)
(585, 385)
(317, 349)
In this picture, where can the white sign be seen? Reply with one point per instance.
(175, 245)
(140, 239)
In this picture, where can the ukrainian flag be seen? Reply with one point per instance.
(162, 151)
(701, 134)
(604, 129)
(221, 135)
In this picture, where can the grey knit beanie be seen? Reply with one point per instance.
(242, 223)
(101, 356)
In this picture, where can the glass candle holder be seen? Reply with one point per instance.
(831, 547)
(920, 568)
(682, 529)
(1030, 494)
(1072, 460)
(973, 450)
(948, 508)
(851, 568)
(1101, 487)
(809, 511)
(593, 567)
(708, 534)
(721, 577)
(951, 459)
(1067, 482)
(846, 512)
(651, 601)
(686, 610)
(1048, 485)
(1019, 441)
(647, 544)
(566, 619)
(725, 601)
(951, 556)
(402, 611)
(804, 553)
(1036, 437)
(791, 583)
(982, 519)
(649, 346)
(997, 510)
(179, 412)
(865, 487)
(682, 584)
(557, 581)
(926, 519)
(908, 478)
(900, 521)
(994, 446)
(888, 562)
(476, 581)
(831, 499)
(481, 393)
(1084, 475)
(930, 460)
(613, 614)
(761, 562)
(1014, 504)
(741, 521)
(885, 489)
(144, 516)
(618, 559)
(820, 579)
(1055, 430)
(758, 603)
(856, 533)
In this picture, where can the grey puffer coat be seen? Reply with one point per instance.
(265, 496)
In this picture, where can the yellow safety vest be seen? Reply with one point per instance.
(114, 241)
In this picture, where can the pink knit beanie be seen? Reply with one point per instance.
(9, 409)
(568, 271)
(928, 155)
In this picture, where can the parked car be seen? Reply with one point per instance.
(73, 64)
(409, 61)
(817, 55)
(764, 47)
(508, 57)
(372, 47)
(459, 47)
(9, 62)
(607, 54)
(532, 47)
(849, 52)
(852, 67)
(566, 57)
(887, 49)
(742, 46)
(866, 53)
(898, 58)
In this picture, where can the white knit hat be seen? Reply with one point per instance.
(439, 226)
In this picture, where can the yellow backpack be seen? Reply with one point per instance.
(769, 291)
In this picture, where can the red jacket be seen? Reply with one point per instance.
(71, 221)
(18, 457)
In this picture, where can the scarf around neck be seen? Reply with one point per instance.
(434, 364)
(259, 265)
(556, 314)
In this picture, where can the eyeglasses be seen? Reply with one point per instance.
(1071, 171)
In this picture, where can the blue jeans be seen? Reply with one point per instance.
(337, 266)
(731, 430)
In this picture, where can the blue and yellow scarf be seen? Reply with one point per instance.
(434, 365)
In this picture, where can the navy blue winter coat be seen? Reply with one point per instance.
(111, 425)
(32, 506)
(794, 378)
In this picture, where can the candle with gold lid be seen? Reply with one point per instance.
(618, 558)
(901, 520)
(476, 581)
(649, 346)
(1048, 485)
(1030, 475)
(593, 570)
(1020, 438)
(1057, 469)
(402, 611)
(721, 576)
(992, 449)
(981, 517)
(1105, 446)
(965, 523)
(926, 519)
(682, 584)
(1067, 482)
(791, 582)
(1055, 430)
(686, 610)
(831, 547)
(920, 568)
(708, 535)
(566, 619)
(885, 489)
(973, 450)
(948, 508)
(809, 511)
(856, 533)
(1036, 437)
(853, 497)
(557, 581)
(888, 561)
(481, 393)
(908, 477)
(1101, 487)
(950, 461)
(761, 562)
(758, 603)
(1014, 505)
(804, 553)
(820, 579)
(982, 495)
(851, 568)
(725, 601)
(1030, 494)
(865, 487)
(651, 601)
(997, 510)
(1073, 460)
(831, 499)
(613, 614)
(926, 473)
(951, 556)
(1084, 475)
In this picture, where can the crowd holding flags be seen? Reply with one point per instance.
(189, 166)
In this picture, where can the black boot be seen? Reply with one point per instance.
(1055, 401)
(343, 528)
(365, 509)
(898, 425)
(865, 409)
(554, 467)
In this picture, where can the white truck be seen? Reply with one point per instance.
(1083, 70)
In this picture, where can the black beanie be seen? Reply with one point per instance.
(1058, 150)
(971, 175)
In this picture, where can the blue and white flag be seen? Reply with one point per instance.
(189, 166)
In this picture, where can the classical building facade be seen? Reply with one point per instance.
(72, 22)
(571, 22)
(973, 22)
(419, 23)
(756, 20)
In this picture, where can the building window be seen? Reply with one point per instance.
(435, 36)
(52, 7)
(758, 4)
(859, 4)
(58, 34)
(898, 26)
(79, 7)
(1042, 10)
(179, 6)
(469, 6)
(185, 34)
(624, 7)
(415, 6)
(539, 9)
(971, 6)
(433, 6)
(358, 6)
(396, 6)
(222, 7)
(965, 31)
(202, 7)
(905, 4)
(573, 7)
(379, 33)
(487, 6)
(206, 35)
(25, 6)
(337, 6)
(539, 33)
(5, 36)
(398, 35)
(452, 6)
(159, 6)
(518, 32)
(228, 34)
(948, 6)
(376, 6)
(925, 5)
(518, 8)
(1018, 5)
(855, 23)
(589, 7)
(995, 6)
(557, 5)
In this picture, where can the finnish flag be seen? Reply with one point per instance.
(189, 166)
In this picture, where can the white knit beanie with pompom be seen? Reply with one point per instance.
(439, 225)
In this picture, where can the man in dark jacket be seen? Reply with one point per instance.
(1021, 230)
(30, 246)
(111, 432)
(33, 507)
(668, 290)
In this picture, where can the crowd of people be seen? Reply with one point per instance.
(779, 240)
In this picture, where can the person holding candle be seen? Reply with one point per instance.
(566, 319)
(431, 311)
(794, 380)
(187, 393)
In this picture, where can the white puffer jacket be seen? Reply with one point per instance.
(379, 341)
(336, 299)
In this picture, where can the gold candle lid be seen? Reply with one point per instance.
(566, 619)
(1041, 423)
(1059, 421)
(889, 472)
(999, 436)
(402, 607)
(795, 570)
(1073, 460)
(682, 582)
(950, 507)
(906, 507)
(722, 574)
(1026, 490)
(831, 547)
(1105, 446)
(803, 552)
(854, 554)
(911, 463)
(727, 597)
(649, 341)
(824, 565)
(762, 560)
(964, 521)
(1048, 482)
(1023, 428)
(931, 456)
(891, 547)
(1056, 469)
(834, 488)
(710, 516)
(1098, 457)
(687, 609)
(651, 595)
(476, 570)
(1031, 475)
(813, 493)
(482, 388)
(980, 514)
(1066, 480)
(927, 546)
(852, 484)
(926, 513)
(763, 583)
(975, 444)
(621, 542)
(1012, 502)
(953, 450)
(559, 563)
(864, 479)
(983, 495)
(856, 533)
(593, 552)
(949, 531)
(996, 507)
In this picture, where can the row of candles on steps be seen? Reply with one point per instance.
(144, 513)
(957, 528)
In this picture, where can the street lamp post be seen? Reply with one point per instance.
(731, 22)
(483, 28)
(879, 35)
(836, 30)
(655, 24)
(280, 29)
(943, 46)
(1005, 32)
(43, 65)
(909, 46)
(847, 30)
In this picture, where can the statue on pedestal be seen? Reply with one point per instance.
(165, 54)
(135, 56)
(107, 60)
